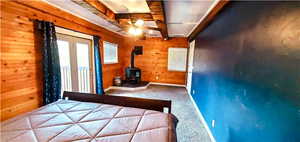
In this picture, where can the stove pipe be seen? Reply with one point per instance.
(137, 50)
(132, 59)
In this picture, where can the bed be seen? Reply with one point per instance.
(85, 117)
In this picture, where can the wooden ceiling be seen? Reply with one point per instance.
(125, 20)
(210, 16)
(158, 14)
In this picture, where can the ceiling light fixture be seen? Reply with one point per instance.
(138, 31)
(139, 23)
(131, 30)
(150, 31)
(135, 31)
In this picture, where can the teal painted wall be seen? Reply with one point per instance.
(246, 73)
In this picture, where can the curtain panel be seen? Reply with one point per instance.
(98, 66)
(51, 65)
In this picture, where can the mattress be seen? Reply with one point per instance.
(67, 120)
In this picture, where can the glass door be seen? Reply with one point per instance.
(76, 63)
(84, 70)
(65, 64)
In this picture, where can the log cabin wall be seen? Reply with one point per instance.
(154, 61)
(21, 68)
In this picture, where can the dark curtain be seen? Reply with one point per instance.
(98, 67)
(51, 67)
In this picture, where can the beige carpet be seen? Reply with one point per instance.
(189, 128)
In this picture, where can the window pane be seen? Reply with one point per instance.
(65, 66)
(110, 53)
(177, 59)
(83, 67)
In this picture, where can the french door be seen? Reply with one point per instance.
(76, 63)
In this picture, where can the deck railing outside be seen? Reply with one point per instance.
(83, 79)
(66, 82)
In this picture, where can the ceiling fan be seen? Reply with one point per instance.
(137, 28)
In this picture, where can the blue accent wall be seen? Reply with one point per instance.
(246, 73)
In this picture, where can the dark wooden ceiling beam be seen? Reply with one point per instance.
(134, 16)
(122, 20)
(99, 9)
(207, 20)
(158, 13)
(144, 28)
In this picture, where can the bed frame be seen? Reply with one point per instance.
(151, 104)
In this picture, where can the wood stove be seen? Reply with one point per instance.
(133, 74)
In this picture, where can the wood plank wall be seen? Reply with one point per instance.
(154, 61)
(21, 68)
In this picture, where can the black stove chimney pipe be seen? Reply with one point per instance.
(137, 50)
(132, 58)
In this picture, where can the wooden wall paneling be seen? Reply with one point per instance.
(21, 68)
(154, 60)
(57, 16)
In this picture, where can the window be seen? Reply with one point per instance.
(110, 53)
(177, 59)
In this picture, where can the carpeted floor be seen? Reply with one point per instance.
(189, 128)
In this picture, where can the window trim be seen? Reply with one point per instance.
(116, 53)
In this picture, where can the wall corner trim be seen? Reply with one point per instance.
(202, 119)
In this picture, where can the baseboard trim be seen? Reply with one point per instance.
(202, 119)
(107, 89)
(126, 88)
(167, 84)
(140, 88)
